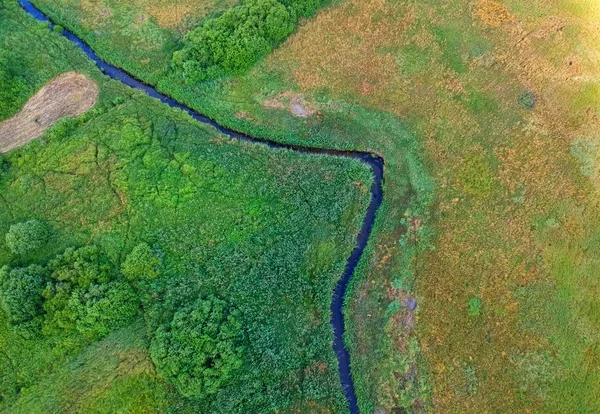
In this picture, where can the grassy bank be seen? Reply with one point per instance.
(265, 231)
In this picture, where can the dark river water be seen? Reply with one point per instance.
(373, 161)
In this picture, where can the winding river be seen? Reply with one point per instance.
(373, 161)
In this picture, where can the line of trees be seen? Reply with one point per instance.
(235, 40)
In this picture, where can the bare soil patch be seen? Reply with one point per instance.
(295, 103)
(68, 95)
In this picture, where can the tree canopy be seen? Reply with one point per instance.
(84, 295)
(200, 349)
(21, 292)
(25, 237)
(141, 264)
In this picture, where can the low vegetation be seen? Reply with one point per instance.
(138, 234)
(501, 101)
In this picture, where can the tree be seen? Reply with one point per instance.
(141, 264)
(81, 267)
(26, 237)
(200, 349)
(21, 292)
(84, 296)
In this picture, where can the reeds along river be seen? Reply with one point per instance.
(375, 162)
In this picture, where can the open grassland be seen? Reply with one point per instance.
(265, 230)
(503, 98)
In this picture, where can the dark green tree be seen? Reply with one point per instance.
(26, 237)
(21, 292)
(200, 349)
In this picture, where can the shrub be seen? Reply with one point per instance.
(232, 42)
(210, 332)
(21, 292)
(26, 237)
(474, 306)
(141, 264)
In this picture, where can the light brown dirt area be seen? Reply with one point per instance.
(294, 103)
(68, 95)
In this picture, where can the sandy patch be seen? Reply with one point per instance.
(68, 95)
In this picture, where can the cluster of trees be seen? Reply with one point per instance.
(233, 41)
(77, 292)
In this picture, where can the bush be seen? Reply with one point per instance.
(199, 351)
(235, 40)
(141, 264)
(474, 306)
(26, 237)
(21, 292)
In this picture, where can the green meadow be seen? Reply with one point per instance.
(145, 222)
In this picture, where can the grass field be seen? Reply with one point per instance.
(499, 100)
(508, 316)
(267, 230)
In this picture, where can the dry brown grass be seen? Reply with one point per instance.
(296, 104)
(68, 95)
(493, 13)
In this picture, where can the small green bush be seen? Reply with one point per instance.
(211, 332)
(474, 306)
(141, 264)
(25, 237)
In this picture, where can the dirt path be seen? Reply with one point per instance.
(70, 94)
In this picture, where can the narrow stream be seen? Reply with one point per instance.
(373, 161)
